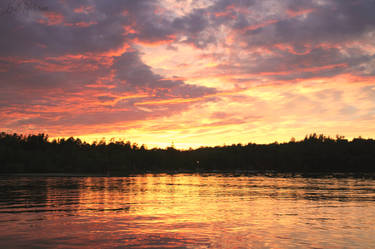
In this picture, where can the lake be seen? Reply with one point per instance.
(187, 211)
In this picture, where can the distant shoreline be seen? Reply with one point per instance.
(206, 173)
(316, 154)
(54, 174)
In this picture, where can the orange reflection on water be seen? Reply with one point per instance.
(187, 211)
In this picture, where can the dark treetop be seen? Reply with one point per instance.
(315, 153)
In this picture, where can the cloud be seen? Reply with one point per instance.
(85, 75)
(273, 38)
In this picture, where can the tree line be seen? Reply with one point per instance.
(315, 153)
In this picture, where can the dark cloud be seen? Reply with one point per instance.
(74, 64)
(304, 39)
(62, 29)
(131, 72)
(306, 21)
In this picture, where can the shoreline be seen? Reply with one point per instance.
(204, 173)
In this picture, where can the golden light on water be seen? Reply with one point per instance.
(188, 211)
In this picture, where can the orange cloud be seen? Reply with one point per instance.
(168, 39)
(54, 18)
(117, 51)
(80, 24)
(187, 100)
(84, 9)
(293, 13)
(259, 25)
(169, 101)
(129, 29)
(304, 70)
(51, 18)
(226, 13)
(290, 48)
(72, 62)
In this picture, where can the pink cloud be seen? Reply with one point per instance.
(81, 24)
(167, 40)
(294, 13)
(51, 18)
(85, 9)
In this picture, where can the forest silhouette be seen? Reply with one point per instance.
(315, 153)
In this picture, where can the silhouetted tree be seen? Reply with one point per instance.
(315, 153)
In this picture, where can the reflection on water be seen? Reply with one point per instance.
(187, 211)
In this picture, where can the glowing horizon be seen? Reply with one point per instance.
(193, 73)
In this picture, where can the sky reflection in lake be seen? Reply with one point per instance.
(187, 211)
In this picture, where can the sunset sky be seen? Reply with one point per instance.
(194, 72)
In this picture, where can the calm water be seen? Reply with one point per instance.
(187, 211)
